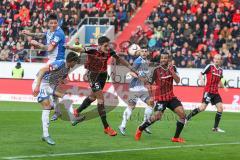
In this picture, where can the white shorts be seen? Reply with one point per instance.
(137, 93)
(46, 91)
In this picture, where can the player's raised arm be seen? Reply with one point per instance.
(35, 35)
(173, 71)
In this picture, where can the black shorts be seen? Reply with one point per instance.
(172, 104)
(210, 97)
(97, 80)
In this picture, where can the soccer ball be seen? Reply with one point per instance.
(133, 48)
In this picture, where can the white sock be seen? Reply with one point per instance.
(126, 115)
(56, 106)
(69, 107)
(147, 113)
(45, 122)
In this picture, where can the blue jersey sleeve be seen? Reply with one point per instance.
(137, 63)
(56, 65)
(57, 37)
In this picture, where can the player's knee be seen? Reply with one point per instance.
(92, 98)
(131, 106)
(151, 102)
(100, 101)
(157, 117)
(220, 110)
(203, 107)
(182, 115)
(47, 106)
(183, 120)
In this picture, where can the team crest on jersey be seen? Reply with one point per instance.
(56, 39)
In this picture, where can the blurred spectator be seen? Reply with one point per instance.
(18, 71)
(121, 17)
(236, 17)
(77, 43)
(4, 54)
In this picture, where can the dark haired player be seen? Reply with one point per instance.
(214, 74)
(55, 39)
(162, 81)
(96, 64)
(138, 90)
(45, 86)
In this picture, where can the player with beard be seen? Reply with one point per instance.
(162, 81)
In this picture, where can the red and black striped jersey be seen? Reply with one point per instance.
(96, 60)
(213, 76)
(163, 80)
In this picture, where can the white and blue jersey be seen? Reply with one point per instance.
(142, 67)
(56, 38)
(56, 74)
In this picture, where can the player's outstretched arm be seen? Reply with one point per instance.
(76, 49)
(41, 73)
(125, 63)
(41, 46)
(133, 74)
(36, 35)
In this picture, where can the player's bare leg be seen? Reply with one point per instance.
(86, 103)
(148, 113)
(155, 117)
(197, 110)
(218, 118)
(180, 124)
(102, 113)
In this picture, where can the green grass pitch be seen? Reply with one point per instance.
(20, 133)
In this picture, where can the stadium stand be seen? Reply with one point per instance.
(24, 14)
(193, 32)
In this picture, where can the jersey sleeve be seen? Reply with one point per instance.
(175, 69)
(90, 50)
(112, 53)
(56, 39)
(56, 65)
(221, 76)
(206, 69)
(153, 76)
(136, 63)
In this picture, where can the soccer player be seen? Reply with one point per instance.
(138, 90)
(214, 74)
(163, 77)
(55, 39)
(45, 86)
(96, 64)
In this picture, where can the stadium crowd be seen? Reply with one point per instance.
(193, 32)
(16, 15)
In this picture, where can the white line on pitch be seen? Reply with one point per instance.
(120, 150)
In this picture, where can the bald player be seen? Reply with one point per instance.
(214, 74)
